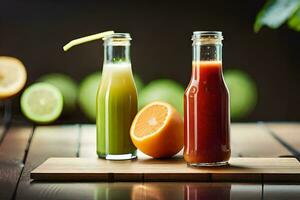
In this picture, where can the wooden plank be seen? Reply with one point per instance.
(289, 133)
(279, 191)
(246, 191)
(12, 152)
(91, 169)
(87, 141)
(222, 191)
(2, 132)
(155, 190)
(47, 141)
(12, 149)
(253, 140)
(165, 190)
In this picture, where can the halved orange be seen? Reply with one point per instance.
(157, 130)
(12, 76)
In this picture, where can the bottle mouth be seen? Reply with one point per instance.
(207, 37)
(118, 36)
(117, 39)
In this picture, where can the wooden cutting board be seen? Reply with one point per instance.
(93, 169)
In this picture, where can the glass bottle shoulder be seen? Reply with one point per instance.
(206, 84)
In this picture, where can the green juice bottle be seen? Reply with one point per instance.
(116, 100)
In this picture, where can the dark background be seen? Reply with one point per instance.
(35, 31)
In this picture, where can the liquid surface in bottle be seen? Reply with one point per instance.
(116, 109)
(206, 104)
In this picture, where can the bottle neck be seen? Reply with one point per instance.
(207, 52)
(207, 62)
(114, 54)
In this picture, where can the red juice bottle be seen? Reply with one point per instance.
(206, 104)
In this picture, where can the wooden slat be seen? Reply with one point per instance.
(280, 191)
(288, 132)
(246, 191)
(87, 141)
(12, 152)
(224, 191)
(240, 169)
(2, 131)
(47, 141)
(165, 190)
(152, 190)
(253, 140)
(174, 191)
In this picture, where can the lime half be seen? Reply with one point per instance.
(67, 86)
(42, 103)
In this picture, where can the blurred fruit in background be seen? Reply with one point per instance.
(138, 83)
(243, 93)
(42, 103)
(88, 92)
(163, 90)
(67, 86)
(12, 76)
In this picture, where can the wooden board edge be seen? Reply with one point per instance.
(172, 177)
(39, 175)
(236, 177)
(293, 178)
(69, 177)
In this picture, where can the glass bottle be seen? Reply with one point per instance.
(116, 100)
(206, 104)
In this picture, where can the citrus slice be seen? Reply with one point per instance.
(157, 130)
(42, 103)
(12, 76)
(67, 86)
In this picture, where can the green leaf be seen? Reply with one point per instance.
(294, 21)
(275, 13)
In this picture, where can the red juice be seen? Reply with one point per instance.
(206, 118)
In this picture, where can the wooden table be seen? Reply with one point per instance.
(22, 148)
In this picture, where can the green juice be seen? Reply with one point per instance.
(116, 97)
(116, 109)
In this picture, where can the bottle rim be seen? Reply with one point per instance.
(118, 36)
(207, 35)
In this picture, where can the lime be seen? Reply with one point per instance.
(87, 94)
(12, 76)
(42, 103)
(243, 93)
(67, 87)
(163, 90)
(138, 82)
